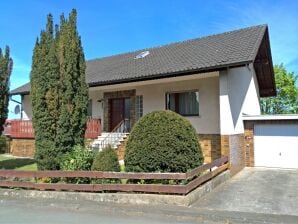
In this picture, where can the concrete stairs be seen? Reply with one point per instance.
(115, 139)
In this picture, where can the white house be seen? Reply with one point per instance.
(213, 81)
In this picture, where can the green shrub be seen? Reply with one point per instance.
(3, 144)
(162, 141)
(106, 160)
(78, 159)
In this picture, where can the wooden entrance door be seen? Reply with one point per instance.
(116, 112)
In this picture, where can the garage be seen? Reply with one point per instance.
(272, 141)
(276, 145)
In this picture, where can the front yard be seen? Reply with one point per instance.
(9, 162)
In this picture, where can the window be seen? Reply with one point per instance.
(89, 108)
(139, 107)
(183, 103)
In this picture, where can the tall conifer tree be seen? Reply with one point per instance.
(44, 83)
(74, 90)
(5, 72)
(59, 92)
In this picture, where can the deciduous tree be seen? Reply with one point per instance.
(286, 100)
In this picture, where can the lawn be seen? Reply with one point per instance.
(8, 162)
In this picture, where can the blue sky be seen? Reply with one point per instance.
(112, 27)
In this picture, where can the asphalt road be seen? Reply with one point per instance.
(48, 212)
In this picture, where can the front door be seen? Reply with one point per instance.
(119, 110)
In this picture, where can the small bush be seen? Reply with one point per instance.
(78, 159)
(3, 144)
(162, 141)
(106, 160)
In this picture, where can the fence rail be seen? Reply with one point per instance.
(195, 178)
(24, 128)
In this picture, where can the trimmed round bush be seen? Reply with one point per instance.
(162, 141)
(106, 160)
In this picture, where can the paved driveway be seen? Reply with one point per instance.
(256, 190)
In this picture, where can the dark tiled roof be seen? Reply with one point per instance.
(202, 54)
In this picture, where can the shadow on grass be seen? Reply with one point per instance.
(11, 164)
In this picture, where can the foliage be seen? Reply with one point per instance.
(286, 100)
(59, 91)
(106, 160)
(47, 155)
(162, 141)
(79, 158)
(3, 144)
(73, 95)
(5, 72)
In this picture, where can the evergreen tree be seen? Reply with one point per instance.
(44, 85)
(74, 90)
(5, 72)
(59, 92)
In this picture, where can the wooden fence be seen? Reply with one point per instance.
(194, 178)
(24, 128)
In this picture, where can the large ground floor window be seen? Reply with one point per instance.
(184, 103)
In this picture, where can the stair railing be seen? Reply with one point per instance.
(115, 135)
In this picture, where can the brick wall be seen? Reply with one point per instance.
(210, 146)
(22, 147)
(121, 149)
(234, 147)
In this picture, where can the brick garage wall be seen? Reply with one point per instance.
(249, 137)
(249, 143)
(233, 146)
(22, 147)
(210, 146)
(118, 94)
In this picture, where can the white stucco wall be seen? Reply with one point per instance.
(239, 94)
(154, 92)
(208, 120)
(26, 107)
(224, 96)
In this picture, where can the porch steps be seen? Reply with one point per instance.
(115, 139)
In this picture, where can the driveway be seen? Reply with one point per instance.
(256, 190)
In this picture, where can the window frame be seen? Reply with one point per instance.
(183, 91)
(90, 102)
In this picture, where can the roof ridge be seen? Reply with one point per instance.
(178, 42)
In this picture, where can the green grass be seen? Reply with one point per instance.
(11, 163)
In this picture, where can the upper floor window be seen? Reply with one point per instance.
(184, 103)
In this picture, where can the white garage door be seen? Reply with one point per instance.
(276, 145)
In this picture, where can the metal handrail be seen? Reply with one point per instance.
(116, 134)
